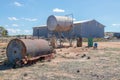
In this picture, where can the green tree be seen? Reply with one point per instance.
(3, 31)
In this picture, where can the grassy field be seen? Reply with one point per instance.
(73, 63)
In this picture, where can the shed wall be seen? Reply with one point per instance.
(40, 32)
(86, 29)
(89, 29)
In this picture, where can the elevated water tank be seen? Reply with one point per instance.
(59, 23)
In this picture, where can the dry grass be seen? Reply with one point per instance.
(72, 64)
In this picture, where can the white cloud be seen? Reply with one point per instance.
(116, 25)
(27, 31)
(74, 19)
(27, 19)
(13, 31)
(30, 19)
(15, 25)
(13, 18)
(58, 10)
(17, 4)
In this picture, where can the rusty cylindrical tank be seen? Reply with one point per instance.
(17, 49)
(59, 23)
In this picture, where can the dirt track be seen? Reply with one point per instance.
(72, 64)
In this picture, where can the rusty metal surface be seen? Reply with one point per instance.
(79, 42)
(36, 47)
(59, 23)
(17, 49)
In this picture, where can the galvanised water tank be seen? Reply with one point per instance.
(59, 23)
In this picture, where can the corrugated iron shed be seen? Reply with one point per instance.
(85, 28)
(89, 28)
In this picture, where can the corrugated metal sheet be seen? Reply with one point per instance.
(88, 29)
(41, 31)
(85, 28)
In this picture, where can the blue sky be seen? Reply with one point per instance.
(19, 16)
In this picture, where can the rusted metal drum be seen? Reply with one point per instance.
(59, 23)
(18, 49)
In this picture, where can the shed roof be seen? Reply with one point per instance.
(76, 22)
(85, 21)
(41, 26)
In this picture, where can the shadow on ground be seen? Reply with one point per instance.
(5, 67)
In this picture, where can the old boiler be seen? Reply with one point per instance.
(19, 49)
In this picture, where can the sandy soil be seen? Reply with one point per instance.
(73, 63)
